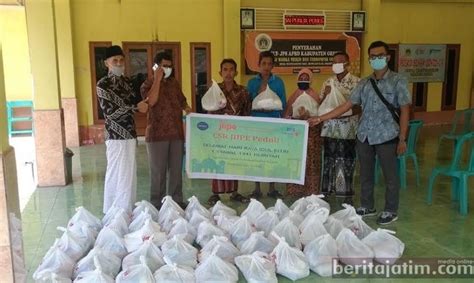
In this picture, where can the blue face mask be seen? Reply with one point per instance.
(303, 86)
(378, 63)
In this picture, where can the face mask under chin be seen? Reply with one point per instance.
(117, 70)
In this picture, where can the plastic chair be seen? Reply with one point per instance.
(459, 189)
(465, 117)
(414, 127)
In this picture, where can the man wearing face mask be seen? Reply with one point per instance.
(116, 99)
(339, 134)
(164, 131)
(382, 130)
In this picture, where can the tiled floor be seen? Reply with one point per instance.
(428, 231)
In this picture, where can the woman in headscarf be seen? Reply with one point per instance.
(313, 158)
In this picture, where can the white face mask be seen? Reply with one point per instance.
(167, 71)
(117, 70)
(338, 68)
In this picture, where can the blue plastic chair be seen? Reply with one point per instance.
(414, 127)
(459, 175)
(462, 124)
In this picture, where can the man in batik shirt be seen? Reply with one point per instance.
(238, 104)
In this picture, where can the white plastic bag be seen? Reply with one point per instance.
(220, 208)
(318, 199)
(267, 221)
(84, 215)
(359, 227)
(97, 273)
(345, 214)
(311, 230)
(135, 239)
(267, 100)
(47, 276)
(257, 267)
(140, 219)
(139, 273)
(110, 241)
(84, 233)
(206, 231)
(119, 223)
(257, 242)
(241, 231)
(214, 99)
(287, 230)
(174, 273)
(333, 226)
(290, 262)
(295, 217)
(215, 269)
(141, 206)
(71, 245)
(180, 251)
(227, 251)
(55, 261)
(152, 254)
(113, 210)
(167, 219)
(168, 203)
(109, 263)
(194, 206)
(320, 214)
(226, 222)
(334, 99)
(197, 218)
(253, 210)
(281, 209)
(351, 250)
(181, 226)
(307, 102)
(387, 248)
(320, 254)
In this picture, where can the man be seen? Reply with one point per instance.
(116, 98)
(378, 134)
(238, 104)
(257, 85)
(164, 131)
(339, 134)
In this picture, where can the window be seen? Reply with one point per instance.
(200, 73)
(98, 70)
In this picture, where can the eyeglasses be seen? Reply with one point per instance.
(377, 56)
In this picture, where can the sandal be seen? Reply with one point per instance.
(240, 198)
(213, 199)
(255, 195)
(274, 194)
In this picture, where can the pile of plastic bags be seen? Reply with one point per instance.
(203, 245)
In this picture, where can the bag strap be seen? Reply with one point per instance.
(394, 111)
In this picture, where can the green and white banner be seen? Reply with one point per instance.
(246, 148)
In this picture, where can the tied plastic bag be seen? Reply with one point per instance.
(110, 241)
(72, 246)
(345, 214)
(267, 100)
(321, 214)
(227, 251)
(290, 262)
(295, 217)
(214, 99)
(168, 203)
(299, 206)
(194, 206)
(267, 221)
(140, 219)
(114, 210)
(253, 210)
(197, 219)
(148, 250)
(351, 250)
(387, 248)
(287, 230)
(97, 273)
(135, 239)
(174, 273)
(333, 226)
(109, 263)
(320, 254)
(46, 276)
(83, 215)
(257, 242)
(281, 209)
(181, 226)
(215, 269)
(358, 226)
(206, 231)
(55, 261)
(307, 102)
(139, 273)
(332, 101)
(219, 208)
(311, 230)
(84, 233)
(119, 223)
(318, 199)
(141, 206)
(241, 231)
(226, 222)
(180, 251)
(257, 267)
(167, 219)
